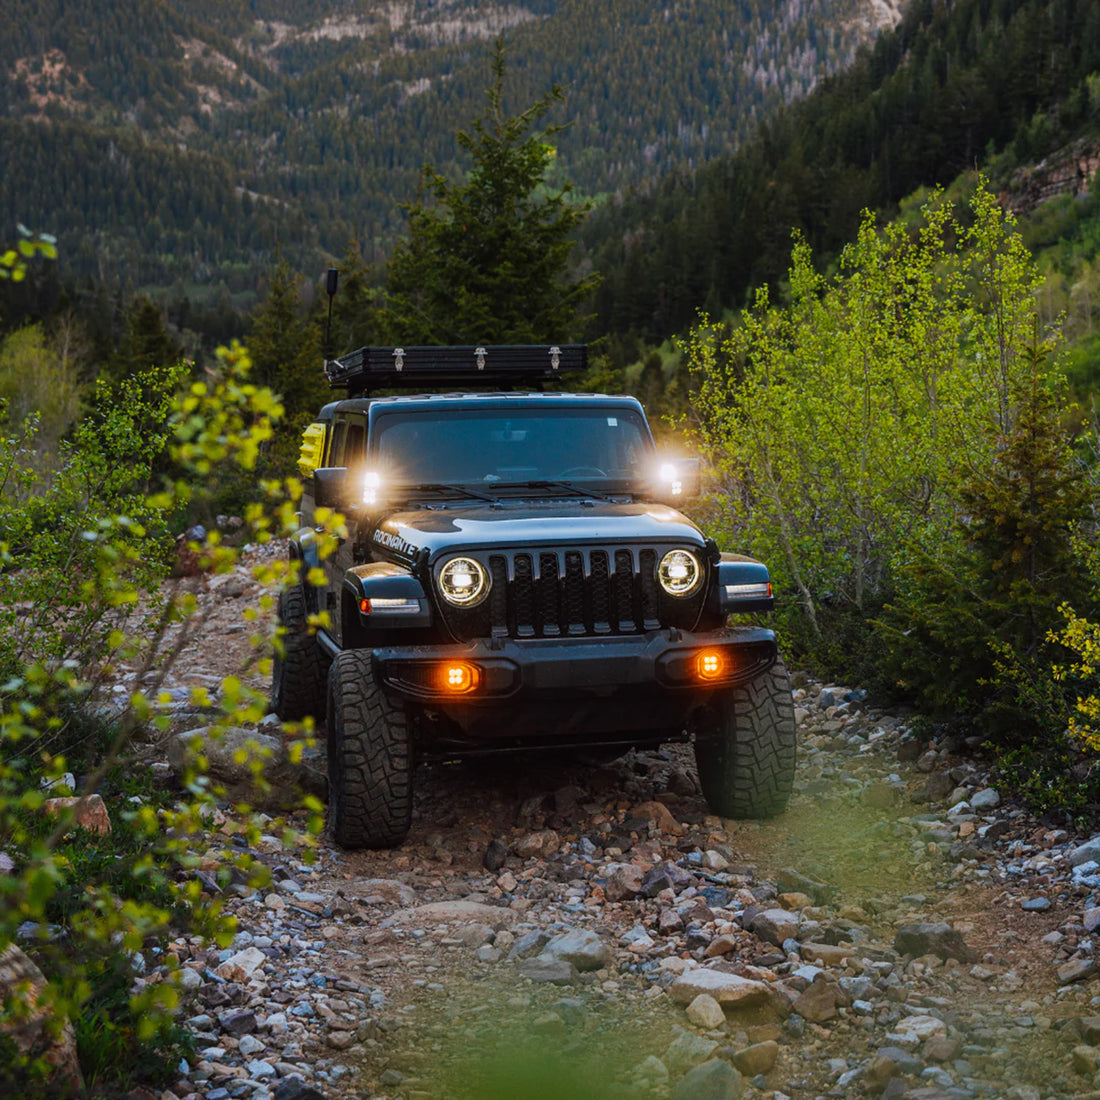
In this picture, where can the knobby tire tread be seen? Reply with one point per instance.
(747, 763)
(370, 758)
(299, 676)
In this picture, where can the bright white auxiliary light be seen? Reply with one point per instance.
(669, 477)
(372, 483)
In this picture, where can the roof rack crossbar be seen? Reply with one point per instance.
(469, 365)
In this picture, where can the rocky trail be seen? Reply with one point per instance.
(562, 928)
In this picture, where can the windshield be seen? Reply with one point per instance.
(506, 446)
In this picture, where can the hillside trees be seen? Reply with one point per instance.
(921, 105)
(486, 259)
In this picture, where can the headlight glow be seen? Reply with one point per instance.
(668, 476)
(372, 482)
(679, 573)
(463, 582)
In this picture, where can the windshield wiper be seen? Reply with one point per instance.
(569, 485)
(444, 486)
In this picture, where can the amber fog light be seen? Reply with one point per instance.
(459, 677)
(711, 664)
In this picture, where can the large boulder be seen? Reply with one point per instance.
(727, 989)
(932, 938)
(666, 876)
(624, 881)
(713, 1080)
(230, 753)
(31, 1030)
(584, 949)
(89, 812)
(775, 926)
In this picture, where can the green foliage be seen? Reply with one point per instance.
(146, 341)
(139, 145)
(970, 630)
(38, 379)
(486, 260)
(835, 424)
(13, 261)
(917, 108)
(285, 346)
(75, 547)
(1051, 776)
(84, 553)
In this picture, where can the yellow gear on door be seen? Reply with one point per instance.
(312, 450)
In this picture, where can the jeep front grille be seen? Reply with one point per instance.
(572, 593)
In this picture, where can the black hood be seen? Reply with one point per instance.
(532, 524)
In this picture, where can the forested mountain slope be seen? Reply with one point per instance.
(241, 125)
(952, 85)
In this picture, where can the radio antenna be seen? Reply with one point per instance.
(332, 277)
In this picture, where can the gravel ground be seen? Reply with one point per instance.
(557, 928)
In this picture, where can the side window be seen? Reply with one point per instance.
(355, 443)
(336, 446)
(349, 441)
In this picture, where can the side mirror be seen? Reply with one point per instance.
(330, 487)
(676, 480)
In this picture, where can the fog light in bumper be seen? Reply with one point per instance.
(711, 664)
(458, 677)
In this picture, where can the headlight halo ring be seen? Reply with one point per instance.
(680, 573)
(463, 581)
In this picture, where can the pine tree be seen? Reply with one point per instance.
(286, 349)
(972, 624)
(486, 259)
(146, 341)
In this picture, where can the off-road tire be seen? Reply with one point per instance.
(298, 674)
(745, 747)
(370, 758)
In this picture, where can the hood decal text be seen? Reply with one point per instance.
(394, 542)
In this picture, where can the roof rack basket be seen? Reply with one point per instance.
(373, 368)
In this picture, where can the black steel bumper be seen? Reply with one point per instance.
(658, 664)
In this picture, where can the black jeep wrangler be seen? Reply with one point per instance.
(515, 576)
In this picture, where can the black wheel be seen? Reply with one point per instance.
(745, 747)
(369, 758)
(298, 673)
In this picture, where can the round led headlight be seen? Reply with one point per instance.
(463, 582)
(679, 573)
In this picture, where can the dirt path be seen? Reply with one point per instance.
(421, 973)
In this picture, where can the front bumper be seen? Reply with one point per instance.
(657, 664)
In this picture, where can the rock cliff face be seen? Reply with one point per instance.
(1071, 170)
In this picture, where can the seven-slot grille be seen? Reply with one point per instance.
(567, 592)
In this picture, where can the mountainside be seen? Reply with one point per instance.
(249, 124)
(954, 87)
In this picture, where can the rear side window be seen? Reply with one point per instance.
(349, 442)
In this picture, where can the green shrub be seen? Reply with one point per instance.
(833, 425)
(78, 557)
(970, 630)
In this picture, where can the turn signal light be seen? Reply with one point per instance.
(459, 677)
(711, 664)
